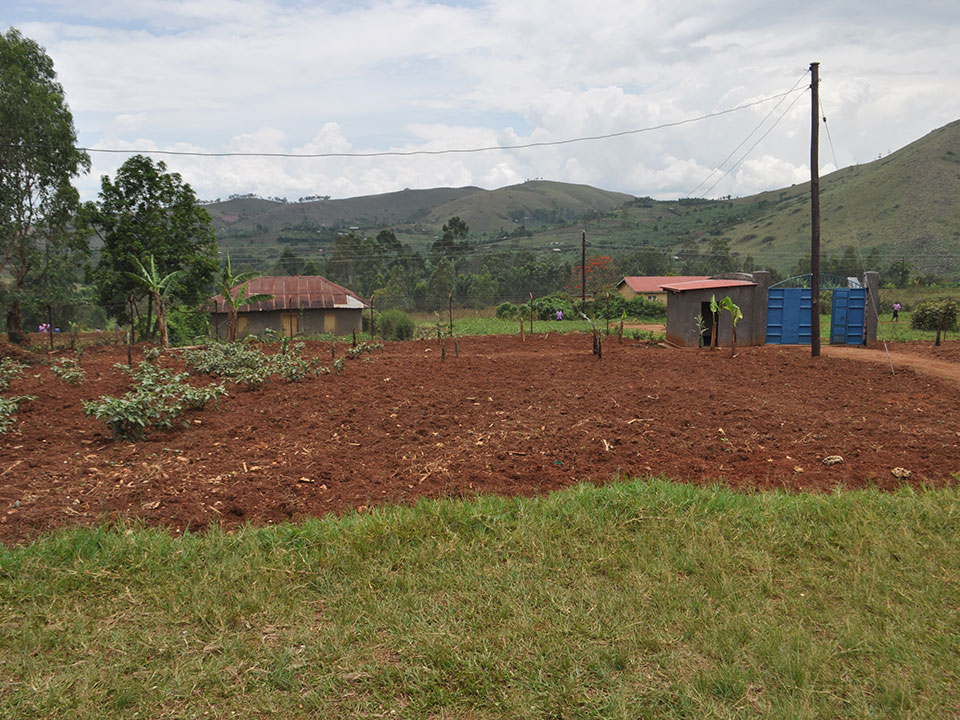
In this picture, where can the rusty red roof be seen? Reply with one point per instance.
(654, 283)
(296, 292)
(706, 284)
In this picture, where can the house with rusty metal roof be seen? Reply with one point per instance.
(301, 305)
(651, 286)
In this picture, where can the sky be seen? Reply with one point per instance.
(308, 78)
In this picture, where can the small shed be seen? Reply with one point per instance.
(650, 287)
(301, 305)
(686, 300)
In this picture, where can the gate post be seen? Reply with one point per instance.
(871, 281)
(758, 330)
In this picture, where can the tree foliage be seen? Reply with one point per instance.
(39, 230)
(148, 211)
(939, 315)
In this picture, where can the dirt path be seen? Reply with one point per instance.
(920, 363)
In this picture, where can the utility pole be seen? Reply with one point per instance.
(583, 272)
(814, 209)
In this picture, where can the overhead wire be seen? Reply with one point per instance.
(447, 151)
(751, 134)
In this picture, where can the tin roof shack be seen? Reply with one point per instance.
(685, 300)
(301, 305)
(651, 286)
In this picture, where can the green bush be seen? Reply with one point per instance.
(507, 311)
(396, 325)
(935, 315)
(637, 307)
(159, 397)
(187, 325)
(69, 370)
(8, 409)
(546, 307)
(10, 369)
(248, 365)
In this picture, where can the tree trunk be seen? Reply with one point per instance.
(149, 325)
(232, 325)
(15, 324)
(162, 323)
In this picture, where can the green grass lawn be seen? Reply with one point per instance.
(638, 599)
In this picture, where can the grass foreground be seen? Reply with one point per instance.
(645, 598)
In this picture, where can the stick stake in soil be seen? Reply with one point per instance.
(531, 312)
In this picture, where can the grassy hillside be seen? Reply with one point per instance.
(905, 206)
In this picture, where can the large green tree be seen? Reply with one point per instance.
(147, 211)
(39, 230)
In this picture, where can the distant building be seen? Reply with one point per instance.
(301, 305)
(650, 286)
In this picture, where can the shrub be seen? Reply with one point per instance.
(10, 369)
(248, 365)
(546, 307)
(159, 397)
(507, 311)
(361, 348)
(396, 325)
(68, 370)
(8, 409)
(939, 315)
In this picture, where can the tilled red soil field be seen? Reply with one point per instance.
(505, 416)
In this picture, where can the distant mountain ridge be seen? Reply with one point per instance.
(906, 205)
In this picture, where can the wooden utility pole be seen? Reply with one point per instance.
(583, 273)
(814, 209)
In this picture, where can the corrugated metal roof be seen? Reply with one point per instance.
(654, 283)
(705, 285)
(296, 292)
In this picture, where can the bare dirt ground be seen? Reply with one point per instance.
(505, 417)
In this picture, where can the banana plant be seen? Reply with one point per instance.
(735, 315)
(159, 287)
(715, 312)
(226, 284)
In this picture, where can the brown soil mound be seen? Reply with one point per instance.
(504, 417)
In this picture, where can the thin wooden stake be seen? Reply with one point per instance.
(50, 324)
(608, 313)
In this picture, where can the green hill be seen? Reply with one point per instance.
(903, 207)
(906, 205)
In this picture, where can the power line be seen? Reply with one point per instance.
(750, 135)
(450, 151)
(752, 147)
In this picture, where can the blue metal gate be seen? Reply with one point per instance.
(848, 311)
(788, 316)
(788, 310)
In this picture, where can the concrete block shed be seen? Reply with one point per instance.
(687, 299)
(301, 305)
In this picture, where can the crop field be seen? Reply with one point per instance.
(482, 415)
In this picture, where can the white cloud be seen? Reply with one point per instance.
(319, 77)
